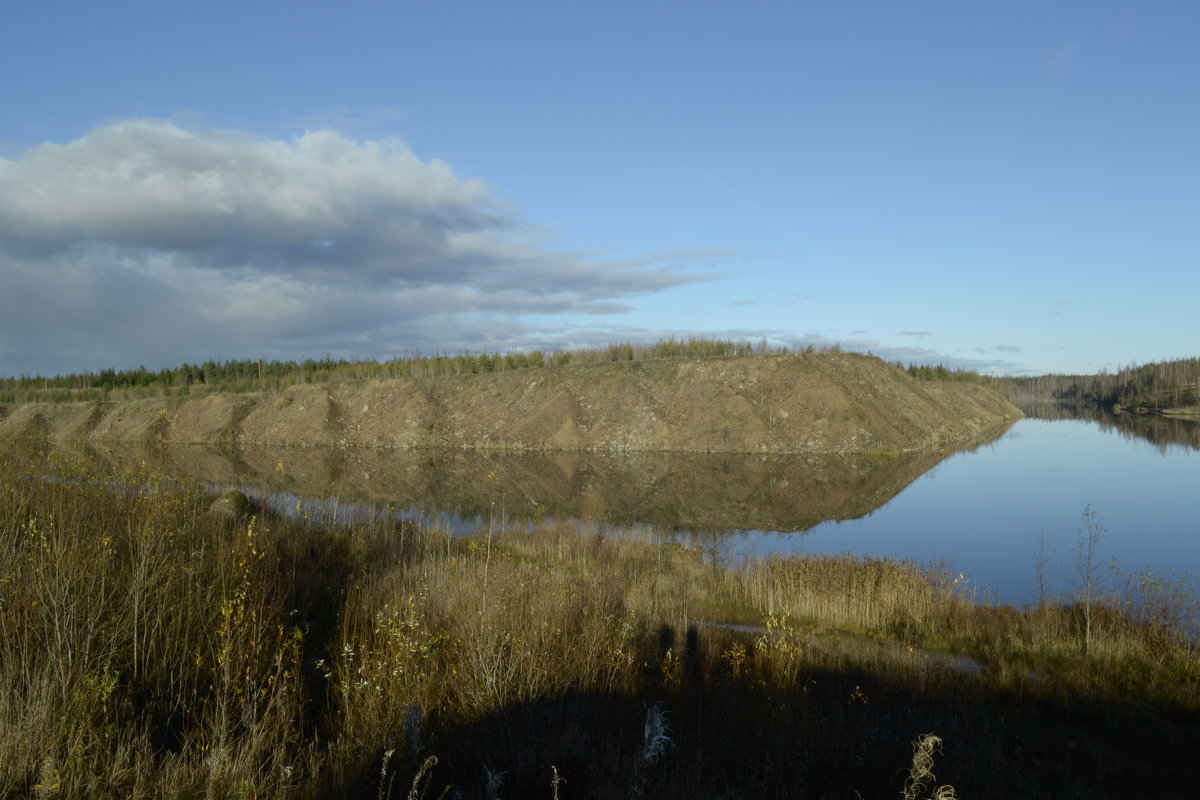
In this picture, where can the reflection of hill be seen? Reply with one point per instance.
(1158, 429)
(694, 491)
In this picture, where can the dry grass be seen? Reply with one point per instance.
(148, 648)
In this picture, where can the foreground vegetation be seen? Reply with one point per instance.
(150, 646)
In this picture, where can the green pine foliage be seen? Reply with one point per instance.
(257, 375)
(1156, 386)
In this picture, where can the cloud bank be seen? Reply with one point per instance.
(146, 242)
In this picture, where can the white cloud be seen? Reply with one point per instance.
(146, 242)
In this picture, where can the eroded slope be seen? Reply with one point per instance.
(827, 403)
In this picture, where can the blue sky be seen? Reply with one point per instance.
(1007, 186)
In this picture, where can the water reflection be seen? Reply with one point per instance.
(987, 511)
(983, 509)
(677, 491)
(1163, 431)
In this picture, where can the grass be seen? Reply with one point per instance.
(149, 648)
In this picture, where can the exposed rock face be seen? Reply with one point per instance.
(828, 403)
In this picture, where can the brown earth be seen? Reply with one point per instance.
(812, 403)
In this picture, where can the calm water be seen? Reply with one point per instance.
(980, 510)
(983, 510)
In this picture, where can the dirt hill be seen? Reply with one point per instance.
(812, 403)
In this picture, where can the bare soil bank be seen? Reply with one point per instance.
(824, 403)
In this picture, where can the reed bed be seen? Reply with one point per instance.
(150, 647)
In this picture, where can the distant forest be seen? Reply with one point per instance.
(251, 375)
(1159, 386)
(1156, 387)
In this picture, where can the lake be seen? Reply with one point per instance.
(981, 510)
(984, 510)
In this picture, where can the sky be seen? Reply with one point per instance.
(1006, 186)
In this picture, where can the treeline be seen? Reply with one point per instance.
(940, 372)
(258, 375)
(1157, 386)
(252, 375)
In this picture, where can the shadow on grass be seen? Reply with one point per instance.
(828, 732)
